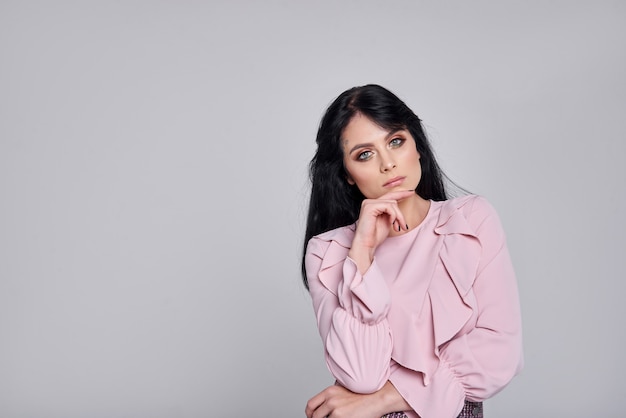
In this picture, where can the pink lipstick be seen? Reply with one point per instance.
(396, 181)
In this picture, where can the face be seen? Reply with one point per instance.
(377, 160)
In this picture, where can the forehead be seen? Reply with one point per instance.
(363, 129)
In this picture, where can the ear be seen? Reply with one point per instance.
(349, 179)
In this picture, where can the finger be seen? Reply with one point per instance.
(322, 411)
(397, 195)
(316, 402)
(318, 409)
(313, 404)
(396, 217)
(378, 207)
(399, 226)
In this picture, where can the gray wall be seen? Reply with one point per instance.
(153, 190)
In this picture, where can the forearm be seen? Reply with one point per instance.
(338, 401)
(359, 339)
(391, 400)
(362, 257)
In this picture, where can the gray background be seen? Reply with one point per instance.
(153, 190)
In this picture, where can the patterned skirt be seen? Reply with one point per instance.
(470, 410)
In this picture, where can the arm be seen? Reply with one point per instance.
(351, 307)
(489, 356)
(338, 401)
(352, 323)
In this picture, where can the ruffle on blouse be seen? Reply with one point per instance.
(460, 254)
(331, 270)
(443, 304)
(440, 305)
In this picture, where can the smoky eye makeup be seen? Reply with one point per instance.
(364, 156)
(397, 141)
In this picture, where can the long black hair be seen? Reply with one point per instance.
(334, 202)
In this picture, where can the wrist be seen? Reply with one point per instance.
(363, 258)
(390, 398)
(386, 397)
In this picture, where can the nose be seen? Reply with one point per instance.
(387, 164)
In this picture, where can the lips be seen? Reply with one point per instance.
(396, 181)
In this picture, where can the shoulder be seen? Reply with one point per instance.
(324, 256)
(470, 205)
(473, 236)
(342, 237)
(468, 215)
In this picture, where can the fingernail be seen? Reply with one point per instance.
(407, 227)
(399, 228)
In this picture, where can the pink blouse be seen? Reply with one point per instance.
(437, 312)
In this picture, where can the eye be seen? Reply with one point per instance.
(396, 142)
(364, 156)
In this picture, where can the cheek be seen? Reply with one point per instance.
(356, 179)
(416, 161)
(359, 177)
(356, 176)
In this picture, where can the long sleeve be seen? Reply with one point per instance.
(486, 353)
(490, 355)
(437, 314)
(351, 315)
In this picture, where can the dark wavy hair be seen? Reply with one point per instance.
(334, 202)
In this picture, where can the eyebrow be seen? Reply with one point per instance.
(370, 144)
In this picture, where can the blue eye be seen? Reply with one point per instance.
(396, 142)
(366, 155)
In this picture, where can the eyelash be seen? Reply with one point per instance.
(399, 143)
(394, 143)
(361, 156)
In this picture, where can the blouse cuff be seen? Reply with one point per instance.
(443, 396)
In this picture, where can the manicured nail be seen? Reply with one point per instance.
(407, 227)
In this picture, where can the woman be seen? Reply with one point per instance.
(415, 296)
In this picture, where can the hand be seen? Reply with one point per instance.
(337, 401)
(376, 219)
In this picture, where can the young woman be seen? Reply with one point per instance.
(415, 296)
